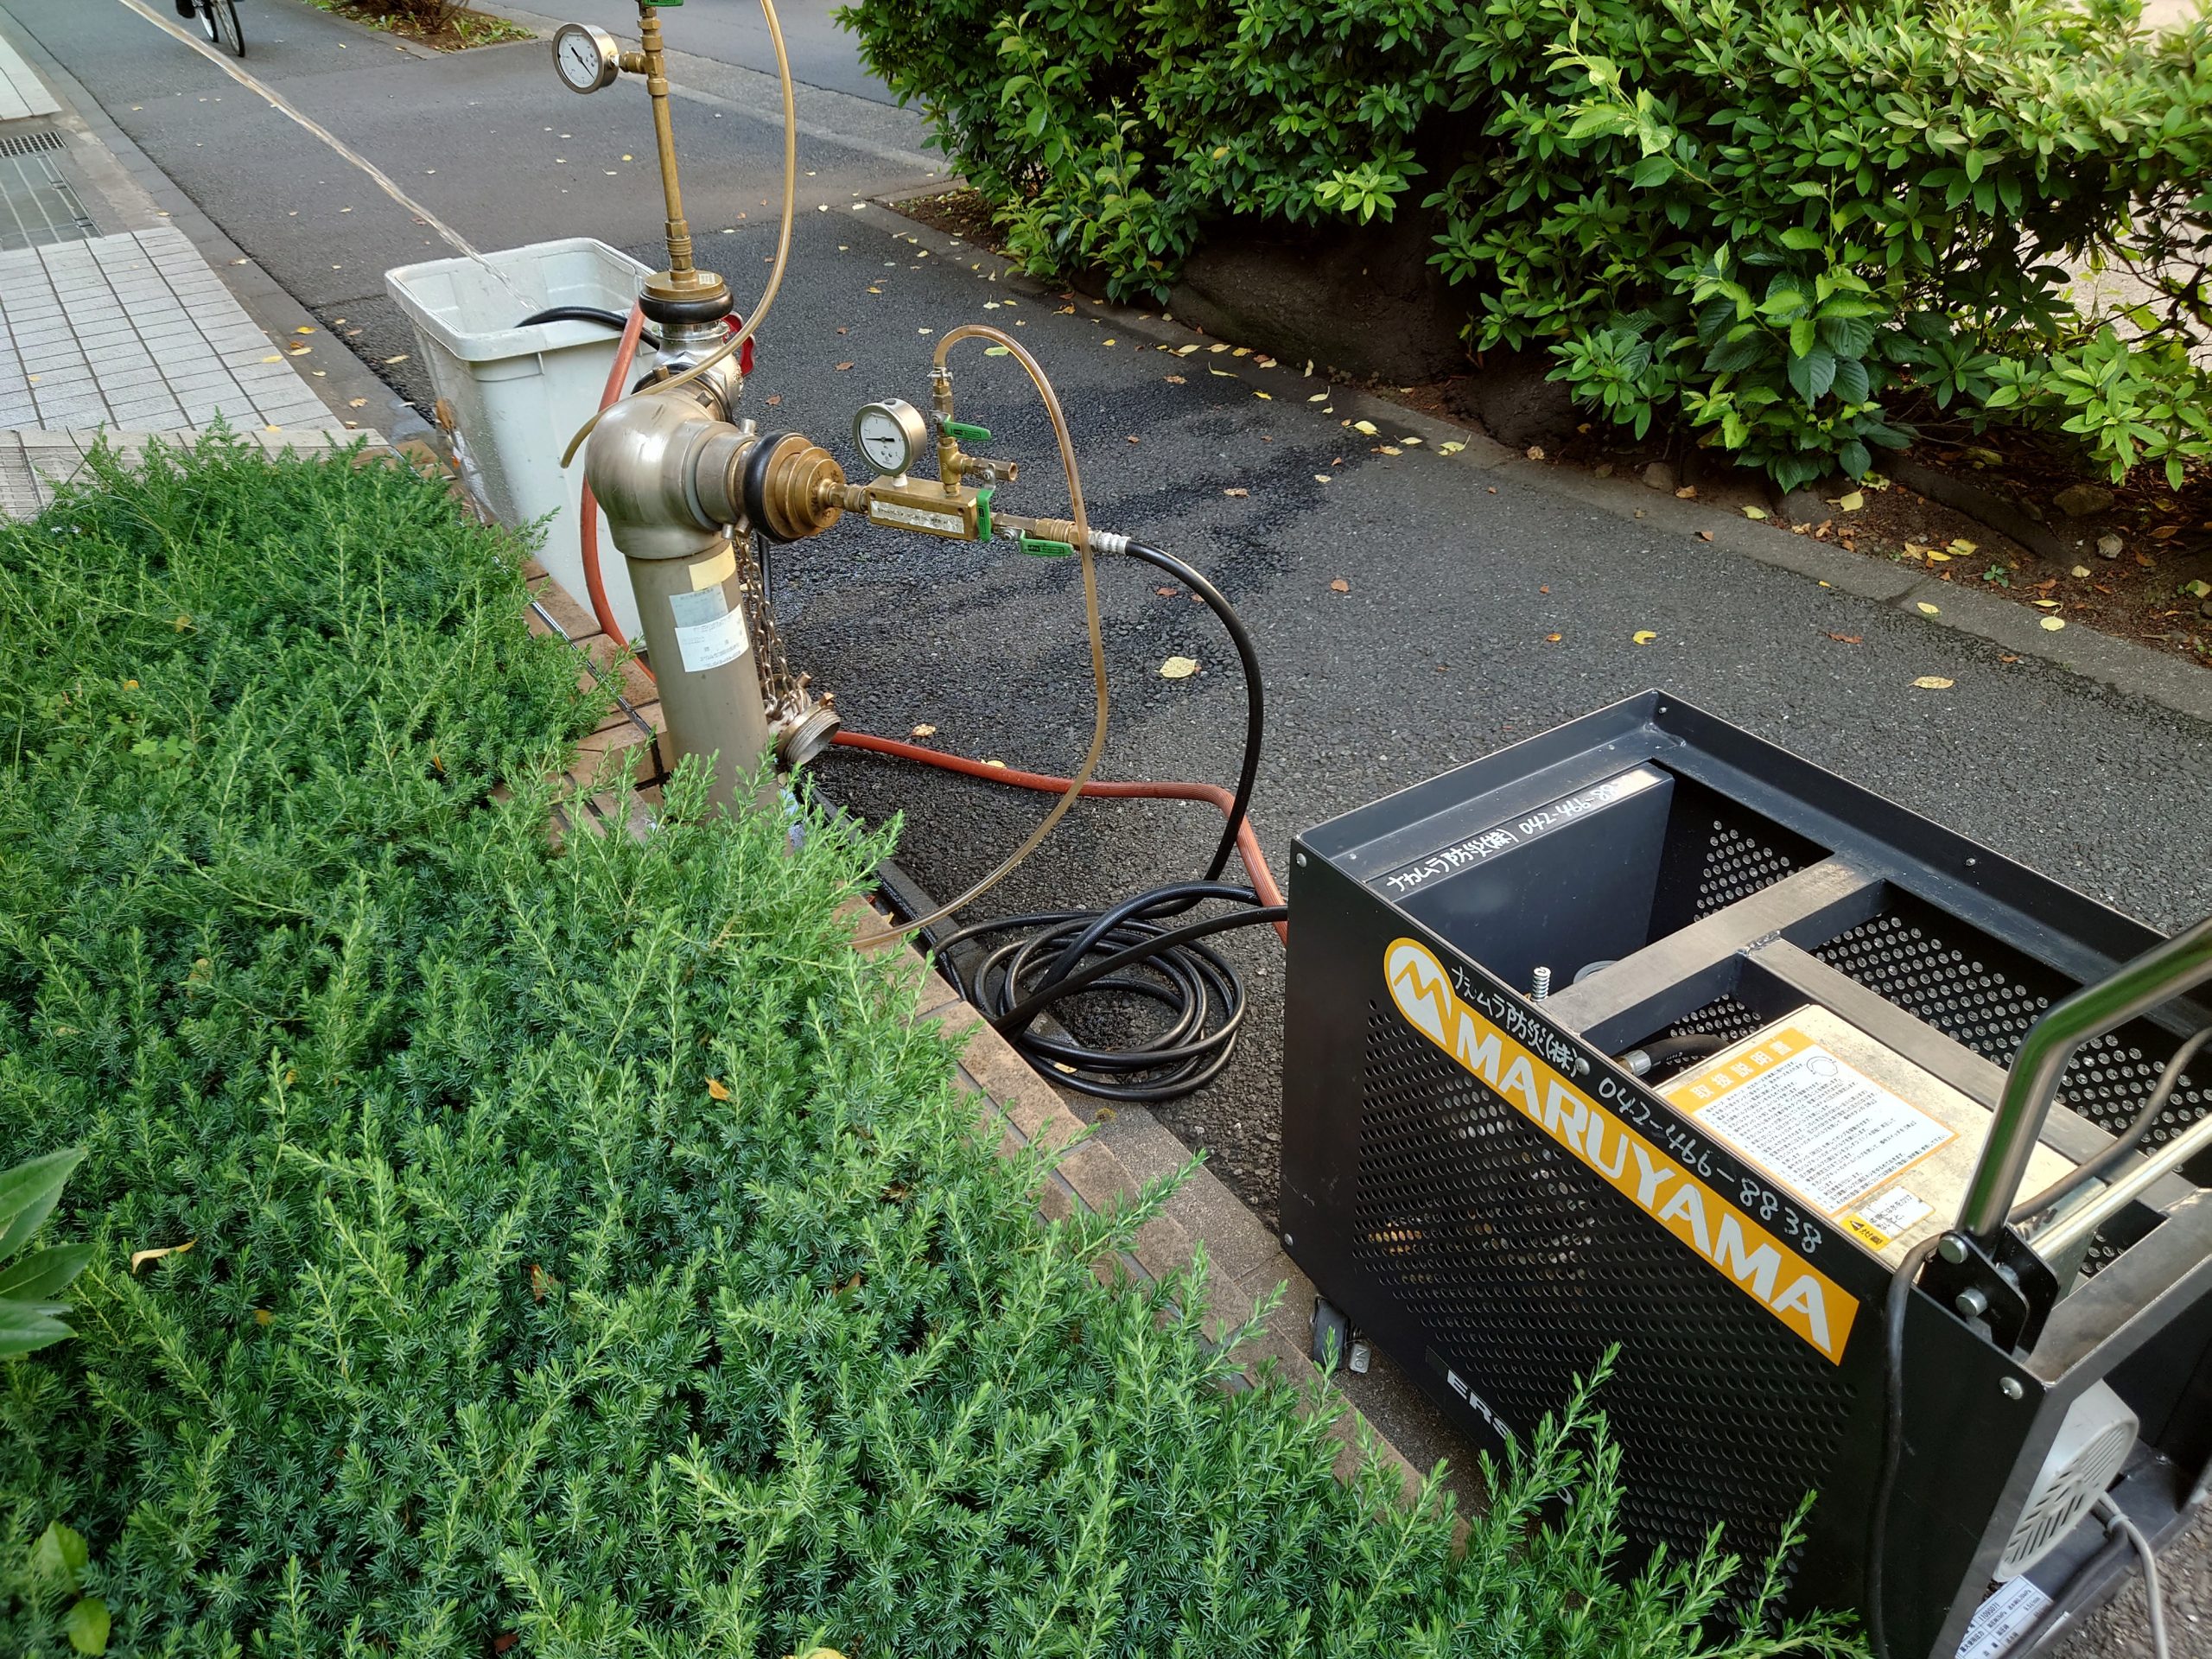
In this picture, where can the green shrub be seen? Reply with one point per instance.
(1787, 227)
(588, 1250)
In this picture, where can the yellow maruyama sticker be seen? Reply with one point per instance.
(1772, 1273)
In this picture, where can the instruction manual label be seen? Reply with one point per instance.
(1888, 1213)
(1725, 1237)
(1813, 1122)
(2003, 1619)
(708, 633)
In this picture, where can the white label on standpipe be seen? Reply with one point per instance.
(891, 513)
(1817, 1123)
(2002, 1620)
(707, 634)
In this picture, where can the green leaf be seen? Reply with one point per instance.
(1801, 337)
(1812, 375)
(1652, 171)
(1850, 380)
(29, 1194)
(61, 1553)
(1797, 236)
(87, 1626)
(44, 1275)
(25, 1327)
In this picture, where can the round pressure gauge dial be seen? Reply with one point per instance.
(586, 58)
(889, 435)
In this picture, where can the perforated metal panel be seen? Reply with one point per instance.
(1523, 1267)
(1738, 863)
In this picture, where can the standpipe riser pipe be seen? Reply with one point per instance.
(659, 465)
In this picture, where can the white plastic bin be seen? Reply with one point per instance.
(518, 395)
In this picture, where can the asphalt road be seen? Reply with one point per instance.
(732, 32)
(1460, 576)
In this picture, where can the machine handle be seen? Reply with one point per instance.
(2159, 974)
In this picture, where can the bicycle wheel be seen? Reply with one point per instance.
(220, 19)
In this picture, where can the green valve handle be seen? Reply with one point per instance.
(983, 515)
(967, 433)
(1042, 549)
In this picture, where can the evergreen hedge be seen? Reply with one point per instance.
(574, 1249)
(1794, 229)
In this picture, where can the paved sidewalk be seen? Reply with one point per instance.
(136, 332)
(130, 334)
(22, 94)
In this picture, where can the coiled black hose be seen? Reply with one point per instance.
(1129, 950)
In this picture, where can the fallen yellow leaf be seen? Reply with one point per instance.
(1934, 682)
(717, 1089)
(1178, 668)
(1321, 478)
(1962, 546)
(1387, 449)
(401, 357)
(2053, 624)
(1238, 492)
(1366, 427)
(923, 731)
(1926, 609)
(1853, 502)
(1264, 396)
(1318, 398)
(1452, 448)
(1754, 512)
(140, 1258)
(1642, 637)
(1185, 351)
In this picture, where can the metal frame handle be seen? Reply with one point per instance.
(2157, 976)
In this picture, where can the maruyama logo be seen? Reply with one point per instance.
(1753, 1260)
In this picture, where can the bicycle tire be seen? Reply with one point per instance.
(221, 19)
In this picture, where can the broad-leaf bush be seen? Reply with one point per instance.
(1793, 229)
(589, 1256)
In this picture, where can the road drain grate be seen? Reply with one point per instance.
(38, 209)
(29, 144)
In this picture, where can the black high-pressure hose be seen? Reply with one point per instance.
(614, 320)
(1060, 954)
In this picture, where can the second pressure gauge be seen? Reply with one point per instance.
(586, 58)
(890, 435)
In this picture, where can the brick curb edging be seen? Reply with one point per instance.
(1095, 1166)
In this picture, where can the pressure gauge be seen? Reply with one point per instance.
(889, 435)
(586, 58)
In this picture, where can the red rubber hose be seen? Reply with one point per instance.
(1248, 841)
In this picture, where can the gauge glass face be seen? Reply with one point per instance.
(883, 440)
(576, 55)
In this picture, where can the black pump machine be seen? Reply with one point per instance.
(1647, 1032)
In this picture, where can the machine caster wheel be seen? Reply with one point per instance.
(1331, 1333)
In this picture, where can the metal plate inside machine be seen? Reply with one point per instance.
(1861, 1134)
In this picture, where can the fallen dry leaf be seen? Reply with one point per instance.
(923, 731)
(1705, 535)
(1318, 398)
(1962, 547)
(1934, 682)
(401, 357)
(1535, 452)
(2165, 532)
(2053, 624)
(841, 367)
(1320, 478)
(537, 1282)
(1177, 380)
(1848, 638)
(357, 403)
(1365, 427)
(1238, 492)
(1553, 638)
(717, 1089)
(1178, 668)
(1452, 448)
(1165, 593)
(1688, 492)
(1387, 449)
(140, 1258)
(1340, 586)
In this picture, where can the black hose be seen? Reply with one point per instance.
(1878, 1518)
(1255, 712)
(2104, 1163)
(1690, 1046)
(614, 320)
(1128, 949)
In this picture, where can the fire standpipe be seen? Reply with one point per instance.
(685, 486)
